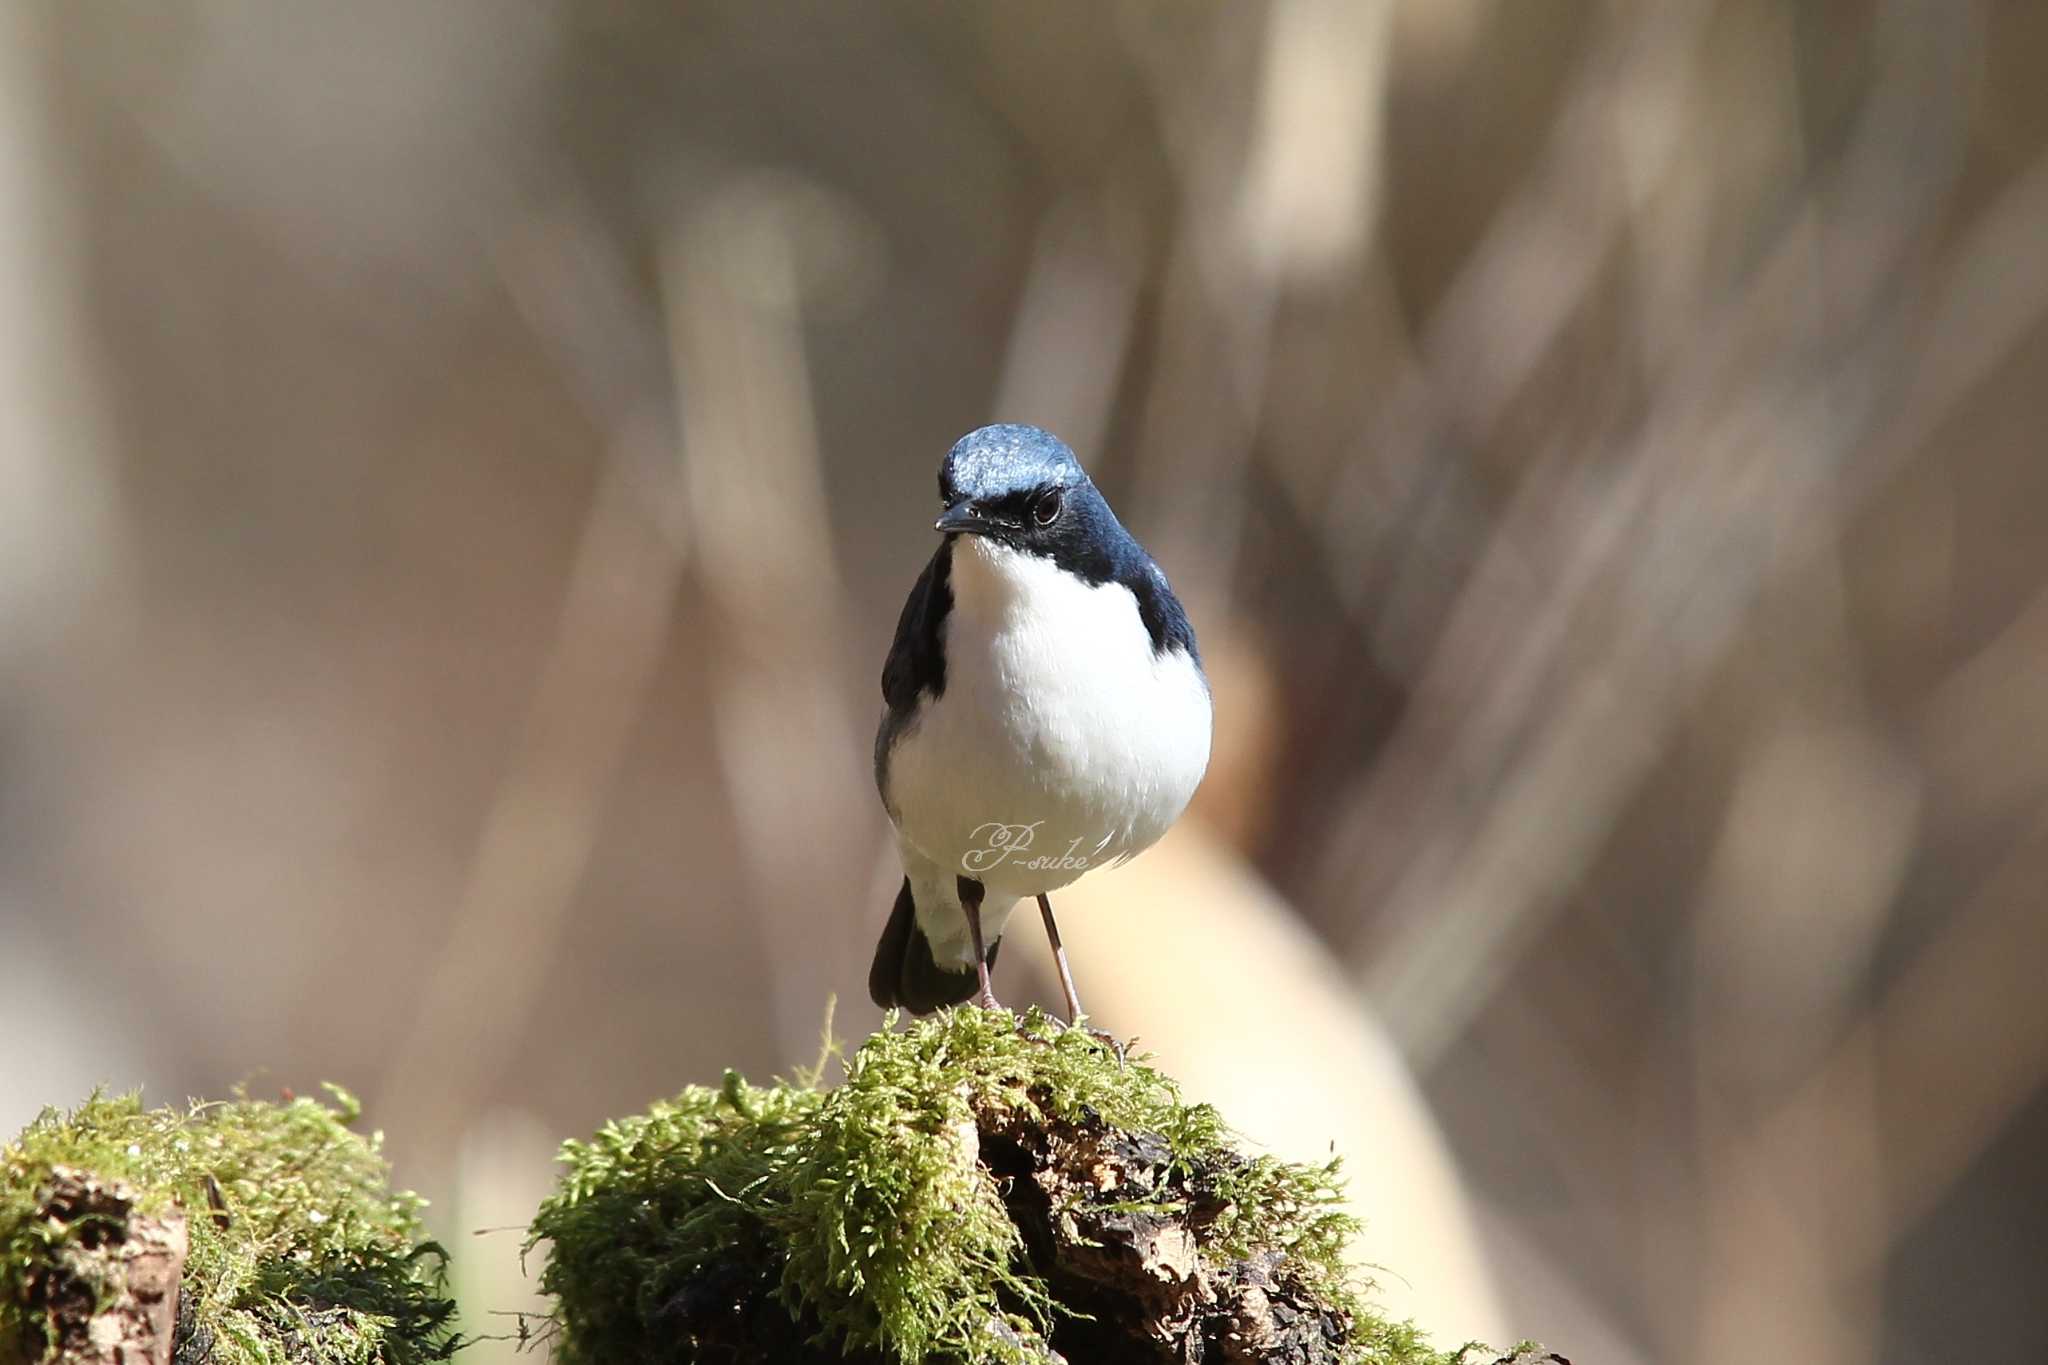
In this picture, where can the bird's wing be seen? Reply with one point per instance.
(916, 666)
(1165, 619)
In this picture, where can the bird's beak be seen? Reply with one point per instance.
(963, 517)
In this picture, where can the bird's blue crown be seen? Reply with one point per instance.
(1004, 459)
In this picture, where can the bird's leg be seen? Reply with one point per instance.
(1059, 957)
(971, 892)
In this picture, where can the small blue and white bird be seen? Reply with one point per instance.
(1046, 713)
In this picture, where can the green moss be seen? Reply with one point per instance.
(319, 1260)
(867, 1216)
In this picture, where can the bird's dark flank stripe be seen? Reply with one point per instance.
(916, 667)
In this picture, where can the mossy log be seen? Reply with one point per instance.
(975, 1190)
(243, 1233)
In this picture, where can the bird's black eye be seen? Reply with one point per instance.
(1047, 509)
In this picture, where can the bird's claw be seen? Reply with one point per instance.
(1102, 1036)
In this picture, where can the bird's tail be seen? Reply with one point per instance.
(905, 973)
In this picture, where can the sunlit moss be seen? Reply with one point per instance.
(864, 1220)
(301, 1252)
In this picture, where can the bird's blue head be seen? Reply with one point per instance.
(1020, 486)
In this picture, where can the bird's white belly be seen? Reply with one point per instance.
(1061, 743)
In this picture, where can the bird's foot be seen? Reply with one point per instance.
(1102, 1036)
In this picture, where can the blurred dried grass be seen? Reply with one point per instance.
(458, 471)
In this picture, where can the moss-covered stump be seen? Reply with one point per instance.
(243, 1233)
(973, 1191)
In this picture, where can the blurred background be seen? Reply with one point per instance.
(460, 465)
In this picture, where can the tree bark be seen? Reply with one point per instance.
(111, 1297)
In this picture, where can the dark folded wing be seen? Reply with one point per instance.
(916, 667)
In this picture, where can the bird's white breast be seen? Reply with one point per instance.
(1062, 742)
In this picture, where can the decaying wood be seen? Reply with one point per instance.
(111, 1297)
(1118, 1233)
